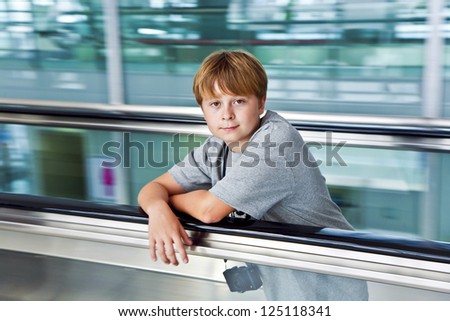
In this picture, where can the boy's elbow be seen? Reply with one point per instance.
(209, 216)
(143, 195)
(140, 198)
(210, 209)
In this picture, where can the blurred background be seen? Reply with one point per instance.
(336, 58)
(363, 80)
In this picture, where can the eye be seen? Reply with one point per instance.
(239, 101)
(214, 104)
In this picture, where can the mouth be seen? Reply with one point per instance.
(230, 128)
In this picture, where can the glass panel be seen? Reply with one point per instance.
(401, 192)
(15, 159)
(377, 195)
(60, 43)
(86, 164)
(323, 56)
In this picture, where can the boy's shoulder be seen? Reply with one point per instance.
(276, 126)
(271, 117)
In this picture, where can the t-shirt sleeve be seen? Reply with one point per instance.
(256, 182)
(192, 173)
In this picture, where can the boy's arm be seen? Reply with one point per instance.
(201, 204)
(164, 228)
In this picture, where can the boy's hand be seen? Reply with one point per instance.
(164, 232)
(164, 229)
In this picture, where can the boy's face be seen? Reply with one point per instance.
(233, 118)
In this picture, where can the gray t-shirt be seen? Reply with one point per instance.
(275, 179)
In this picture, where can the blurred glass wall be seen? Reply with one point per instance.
(322, 56)
(52, 50)
(340, 56)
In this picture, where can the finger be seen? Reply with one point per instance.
(162, 252)
(185, 237)
(152, 247)
(170, 253)
(181, 250)
(185, 240)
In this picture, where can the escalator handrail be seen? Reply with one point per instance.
(413, 248)
(358, 124)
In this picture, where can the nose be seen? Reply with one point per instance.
(227, 113)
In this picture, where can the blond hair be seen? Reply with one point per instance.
(234, 71)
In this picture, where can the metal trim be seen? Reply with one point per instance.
(79, 109)
(311, 135)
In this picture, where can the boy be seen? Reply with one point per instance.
(268, 174)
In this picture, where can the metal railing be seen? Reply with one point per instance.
(412, 133)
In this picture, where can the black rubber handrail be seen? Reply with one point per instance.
(419, 249)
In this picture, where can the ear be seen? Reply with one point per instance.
(262, 104)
